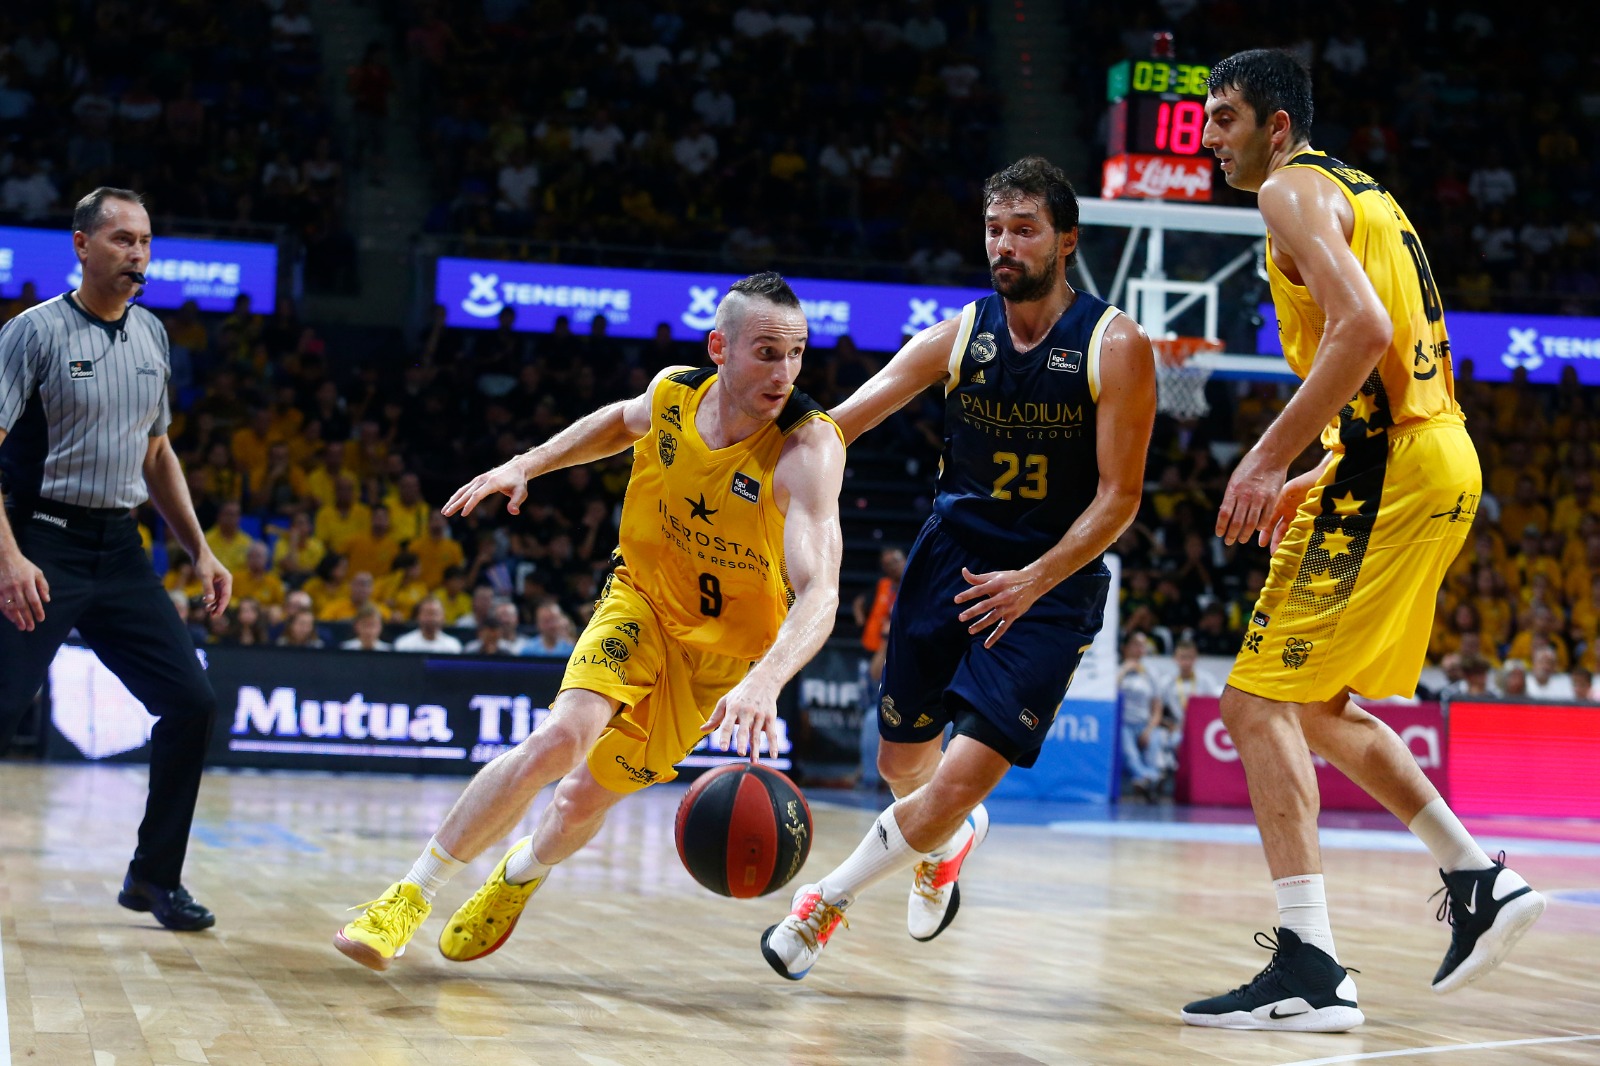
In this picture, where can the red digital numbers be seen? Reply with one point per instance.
(1178, 127)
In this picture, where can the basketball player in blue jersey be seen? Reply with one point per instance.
(1049, 400)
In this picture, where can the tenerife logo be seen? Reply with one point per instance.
(1528, 349)
(702, 313)
(925, 313)
(7, 258)
(488, 296)
(483, 301)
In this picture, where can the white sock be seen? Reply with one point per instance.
(524, 866)
(1303, 907)
(881, 852)
(433, 868)
(1437, 826)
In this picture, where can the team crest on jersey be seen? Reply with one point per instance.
(1296, 652)
(614, 649)
(890, 715)
(671, 416)
(669, 448)
(1065, 359)
(629, 630)
(746, 487)
(983, 348)
(78, 369)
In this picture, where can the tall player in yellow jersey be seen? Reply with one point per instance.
(1359, 545)
(726, 583)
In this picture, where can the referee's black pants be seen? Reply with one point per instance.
(101, 582)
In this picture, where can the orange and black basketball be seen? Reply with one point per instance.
(743, 830)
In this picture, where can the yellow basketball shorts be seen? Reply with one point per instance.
(1350, 595)
(667, 690)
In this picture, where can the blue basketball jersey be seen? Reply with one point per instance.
(1019, 463)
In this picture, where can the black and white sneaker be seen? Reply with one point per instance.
(1302, 990)
(1488, 910)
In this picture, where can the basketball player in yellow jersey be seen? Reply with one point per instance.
(1359, 545)
(726, 583)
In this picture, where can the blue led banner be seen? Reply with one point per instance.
(211, 273)
(1499, 344)
(877, 316)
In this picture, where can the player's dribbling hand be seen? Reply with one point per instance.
(1252, 493)
(23, 592)
(1003, 597)
(507, 478)
(741, 719)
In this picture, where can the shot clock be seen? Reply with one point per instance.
(1158, 114)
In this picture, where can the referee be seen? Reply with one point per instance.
(83, 440)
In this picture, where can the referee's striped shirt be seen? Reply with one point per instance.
(79, 401)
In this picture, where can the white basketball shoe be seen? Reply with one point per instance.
(935, 896)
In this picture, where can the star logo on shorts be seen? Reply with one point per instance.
(700, 510)
(1252, 643)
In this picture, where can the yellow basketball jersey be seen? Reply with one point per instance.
(1413, 381)
(702, 536)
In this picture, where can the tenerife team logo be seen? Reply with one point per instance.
(669, 447)
(1520, 350)
(1296, 652)
(702, 313)
(484, 299)
(983, 348)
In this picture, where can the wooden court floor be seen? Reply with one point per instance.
(1076, 943)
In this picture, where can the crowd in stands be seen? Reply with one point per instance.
(763, 130)
(212, 110)
(1497, 167)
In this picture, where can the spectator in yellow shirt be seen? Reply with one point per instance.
(438, 553)
(408, 511)
(1571, 508)
(454, 595)
(1524, 510)
(219, 478)
(374, 551)
(404, 588)
(257, 581)
(344, 518)
(357, 596)
(1542, 627)
(297, 553)
(331, 582)
(180, 576)
(1493, 604)
(277, 486)
(230, 543)
(322, 481)
(251, 441)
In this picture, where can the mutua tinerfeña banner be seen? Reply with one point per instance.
(1211, 775)
(211, 273)
(326, 709)
(878, 317)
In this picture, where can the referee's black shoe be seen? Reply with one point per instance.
(172, 907)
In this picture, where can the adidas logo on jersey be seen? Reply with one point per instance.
(978, 379)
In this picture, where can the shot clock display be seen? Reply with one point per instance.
(1157, 118)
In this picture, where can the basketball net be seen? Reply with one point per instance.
(1180, 379)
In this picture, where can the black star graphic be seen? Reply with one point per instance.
(700, 510)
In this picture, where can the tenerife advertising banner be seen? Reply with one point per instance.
(211, 273)
(322, 709)
(877, 316)
(1544, 345)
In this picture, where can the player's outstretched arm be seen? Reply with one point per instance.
(1125, 413)
(594, 436)
(810, 475)
(1306, 214)
(924, 361)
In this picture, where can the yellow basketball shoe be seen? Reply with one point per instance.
(379, 936)
(485, 921)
